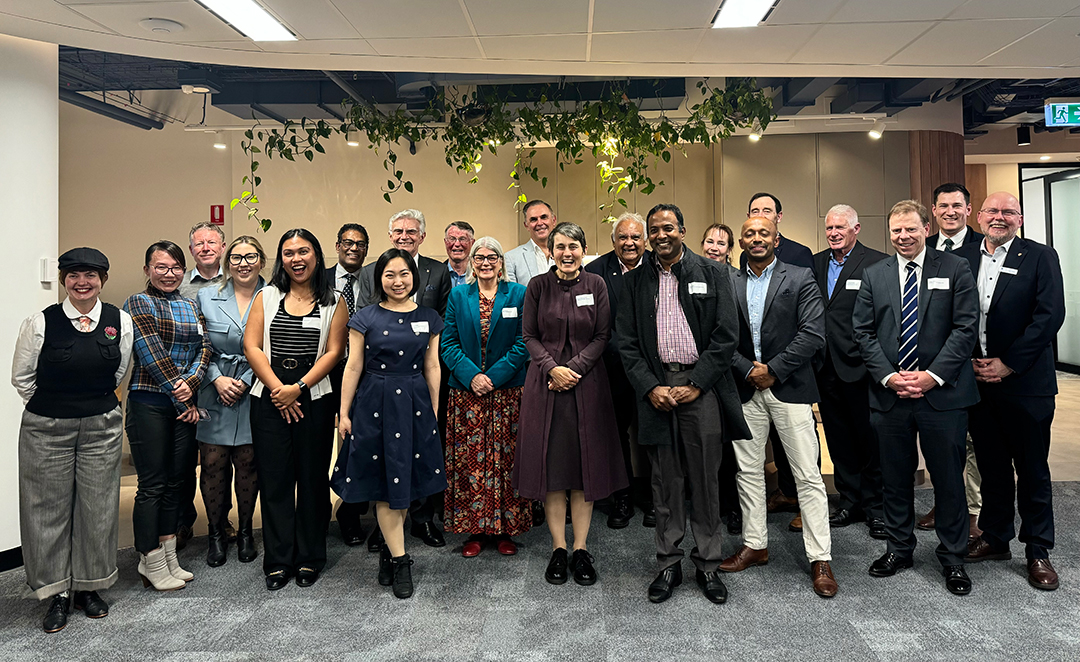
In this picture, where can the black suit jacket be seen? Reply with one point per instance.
(971, 237)
(715, 326)
(792, 331)
(1027, 309)
(840, 347)
(608, 267)
(434, 287)
(788, 251)
(948, 329)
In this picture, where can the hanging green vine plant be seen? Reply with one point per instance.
(625, 143)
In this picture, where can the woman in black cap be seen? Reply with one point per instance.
(69, 359)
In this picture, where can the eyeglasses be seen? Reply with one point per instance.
(348, 244)
(1010, 214)
(161, 270)
(237, 259)
(457, 240)
(412, 232)
(481, 259)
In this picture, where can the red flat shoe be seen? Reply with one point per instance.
(472, 548)
(507, 547)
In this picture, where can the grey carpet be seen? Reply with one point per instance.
(496, 608)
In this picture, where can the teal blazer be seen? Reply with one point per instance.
(506, 353)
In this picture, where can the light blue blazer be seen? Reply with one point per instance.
(506, 354)
(228, 426)
(521, 264)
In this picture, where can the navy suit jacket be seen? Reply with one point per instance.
(971, 237)
(506, 353)
(789, 251)
(840, 347)
(607, 266)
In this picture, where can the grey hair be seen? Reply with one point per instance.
(460, 225)
(205, 225)
(846, 212)
(629, 216)
(492, 244)
(414, 214)
(571, 231)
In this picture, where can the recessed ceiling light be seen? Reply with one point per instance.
(1044, 157)
(742, 13)
(161, 25)
(250, 19)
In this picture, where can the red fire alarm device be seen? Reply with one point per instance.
(217, 214)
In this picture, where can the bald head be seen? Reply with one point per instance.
(758, 238)
(1000, 218)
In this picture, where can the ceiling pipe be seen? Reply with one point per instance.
(109, 110)
(259, 108)
(348, 88)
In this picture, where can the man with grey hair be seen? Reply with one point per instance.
(628, 250)
(533, 257)
(843, 382)
(458, 239)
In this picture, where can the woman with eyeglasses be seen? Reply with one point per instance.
(225, 438)
(483, 349)
(171, 355)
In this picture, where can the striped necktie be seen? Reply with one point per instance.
(909, 325)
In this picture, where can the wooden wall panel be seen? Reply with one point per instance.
(975, 175)
(936, 157)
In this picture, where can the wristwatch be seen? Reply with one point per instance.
(303, 387)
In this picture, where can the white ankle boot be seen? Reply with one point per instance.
(154, 570)
(174, 564)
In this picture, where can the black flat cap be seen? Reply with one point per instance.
(90, 258)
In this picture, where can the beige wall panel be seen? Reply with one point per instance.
(851, 167)
(545, 161)
(694, 192)
(666, 194)
(897, 155)
(577, 191)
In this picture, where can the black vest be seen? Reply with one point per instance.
(76, 371)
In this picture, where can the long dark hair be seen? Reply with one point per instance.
(380, 267)
(322, 288)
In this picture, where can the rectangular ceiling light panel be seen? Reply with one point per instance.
(250, 19)
(742, 13)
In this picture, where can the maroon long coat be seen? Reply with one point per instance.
(549, 303)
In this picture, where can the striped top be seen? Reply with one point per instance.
(295, 337)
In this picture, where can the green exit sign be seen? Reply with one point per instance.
(1062, 112)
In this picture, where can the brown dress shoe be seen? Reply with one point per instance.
(980, 550)
(778, 503)
(1042, 575)
(973, 528)
(796, 524)
(744, 558)
(824, 583)
(926, 522)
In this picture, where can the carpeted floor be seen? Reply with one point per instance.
(500, 608)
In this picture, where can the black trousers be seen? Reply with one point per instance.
(622, 394)
(293, 461)
(942, 437)
(162, 450)
(853, 447)
(1013, 432)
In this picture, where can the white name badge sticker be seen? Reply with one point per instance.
(698, 288)
(584, 300)
(937, 283)
(311, 323)
(420, 327)
(1008, 270)
(509, 312)
(852, 284)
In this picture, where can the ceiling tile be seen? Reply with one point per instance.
(799, 11)
(880, 11)
(871, 43)
(433, 47)
(320, 46)
(767, 44)
(312, 19)
(1014, 9)
(964, 42)
(1060, 37)
(551, 47)
(199, 23)
(231, 45)
(659, 46)
(48, 12)
(405, 18)
(644, 15)
(104, 2)
(491, 17)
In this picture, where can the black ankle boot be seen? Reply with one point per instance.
(245, 543)
(386, 567)
(218, 546)
(403, 586)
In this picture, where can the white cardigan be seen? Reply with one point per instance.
(271, 299)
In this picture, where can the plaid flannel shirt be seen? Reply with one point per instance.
(169, 344)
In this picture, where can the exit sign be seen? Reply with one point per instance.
(1062, 112)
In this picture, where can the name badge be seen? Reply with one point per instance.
(1008, 270)
(509, 312)
(937, 283)
(199, 327)
(311, 323)
(584, 300)
(698, 288)
(852, 284)
(420, 327)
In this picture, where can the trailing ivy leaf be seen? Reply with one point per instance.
(310, 155)
(248, 135)
(390, 184)
(244, 180)
(543, 182)
(258, 180)
(232, 205)
(408, 186)
(254, 166)
(623, 203)
(386, 196)
(319, 149)
(255, 150)
(666, 155)
(522, 199)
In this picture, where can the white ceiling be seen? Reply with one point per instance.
(911, 38)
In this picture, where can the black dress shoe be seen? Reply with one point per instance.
(712, 586)
(581, 564)
(956, 579)
(664, 585)
(648, 517)
(386, 567)
(429, 533)
(889, 564)
(876, 525)
(622, 510)
(217, 547)
(277, 580)
(57, 614)
(556, 570)
(539, 517)
(845, 517)
(375, 541)
(348, 517)
(306, 576)
(183, 535)
(734, 522)
(91, 604)
(403, 584)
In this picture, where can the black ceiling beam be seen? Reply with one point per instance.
(861, 97)
(266, 112)
(349, 89)
(109, 110)
(969, 88)
(799, 93)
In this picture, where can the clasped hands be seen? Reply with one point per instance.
(561, 378)
(990, 371)
(481, 385)
(911, 383)
(229, 390)
(182, 392)
(666, 398)
(285, 399)
(760, 376)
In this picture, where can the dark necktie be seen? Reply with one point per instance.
(350, 297)
(948, 244)
(909, 324)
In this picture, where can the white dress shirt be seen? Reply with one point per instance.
(957, 239)
(901, 263)
(32, 337)
(989, 274)
(339, 283)
(543, 262)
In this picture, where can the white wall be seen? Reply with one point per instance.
(28, 221)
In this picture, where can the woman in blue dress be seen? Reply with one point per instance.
(393, 455)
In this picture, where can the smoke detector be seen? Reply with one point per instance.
(161, 25)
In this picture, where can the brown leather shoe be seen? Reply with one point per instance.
(744, 558)
(824, 583)
(926, 522)
(980, 550)
(973, 528)
(796, 524)
(778, 503)
(1042, 575)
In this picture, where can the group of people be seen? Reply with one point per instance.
(504, 389)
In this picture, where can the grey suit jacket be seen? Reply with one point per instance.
(433, 291)
(521, 264)
(792, 331)
(948, 329)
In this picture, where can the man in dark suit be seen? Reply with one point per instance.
(952, 208)
(677, 328)
(781, 328)
(352, 248)
(916, 321)
(842, 378)
(628, 243)
(1022, 307)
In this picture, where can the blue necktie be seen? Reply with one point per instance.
(909, 324)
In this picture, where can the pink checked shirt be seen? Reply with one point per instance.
(673, 335)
